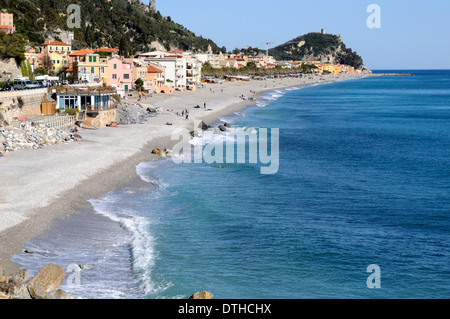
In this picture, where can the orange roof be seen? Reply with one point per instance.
(176, 51)
(82, 52)
(5, 26)
(153, 69)
(69, 70)
(115, 50)
(56, 43)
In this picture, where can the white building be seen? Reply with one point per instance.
(175, 70)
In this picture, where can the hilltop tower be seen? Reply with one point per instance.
(152, 5)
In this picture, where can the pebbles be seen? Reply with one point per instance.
(33, 137)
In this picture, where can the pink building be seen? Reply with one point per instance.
(7, 22)
(120, 74)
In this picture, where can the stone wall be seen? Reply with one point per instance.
(10, 66)
(103, 118)
(11, 107)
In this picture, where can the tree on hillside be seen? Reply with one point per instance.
(125, 47)
(12, 46)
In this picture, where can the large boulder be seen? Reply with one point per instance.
(14, 289)
(202, 295)
(203, 126)
(45, 285)
(159, 152)
(22, 275)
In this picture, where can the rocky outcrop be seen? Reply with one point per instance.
(202, 295)
(45, 285)
(326, 48)
(130, 113)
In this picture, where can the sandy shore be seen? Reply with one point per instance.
(41, 185)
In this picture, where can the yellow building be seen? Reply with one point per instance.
(57, 51)
(59, 47)
(331, 68)
(92, 68)
(58, 62)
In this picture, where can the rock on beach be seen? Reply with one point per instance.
(32, 137)
(45, 285)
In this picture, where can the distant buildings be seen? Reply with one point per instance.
(152, 5)
(7, 22)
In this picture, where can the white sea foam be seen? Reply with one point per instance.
(142, 243)
(269, 97)
(143, 169)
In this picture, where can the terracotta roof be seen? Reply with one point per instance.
(56, 43)
(82, 52)
(115, 50)
(69, 70)
(176, 51)
(153, 69)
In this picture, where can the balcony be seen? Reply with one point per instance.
(84, 91)
(93, 109)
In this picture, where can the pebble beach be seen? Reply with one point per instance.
(41, 185)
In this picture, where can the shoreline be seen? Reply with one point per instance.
(119, 170)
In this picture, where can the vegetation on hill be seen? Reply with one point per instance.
(12, 46)
(130, 26)
(317, 47)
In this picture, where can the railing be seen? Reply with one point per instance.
(77, 91)
(59, 121)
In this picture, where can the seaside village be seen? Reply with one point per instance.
(84, 88)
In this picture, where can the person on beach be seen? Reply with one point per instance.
(204, 105)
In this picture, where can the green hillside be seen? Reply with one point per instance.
(318, 47)
(130, 26)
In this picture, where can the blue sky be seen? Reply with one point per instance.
(413, 35)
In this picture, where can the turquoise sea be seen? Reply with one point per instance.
(364, 178)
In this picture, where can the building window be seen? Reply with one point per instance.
(115, 66)
(92, 70)
(90, 58)
(126, 76)
(95, 59)
(114, 76)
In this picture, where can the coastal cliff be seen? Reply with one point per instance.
(326, 48)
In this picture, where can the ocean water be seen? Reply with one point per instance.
(363, 179)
